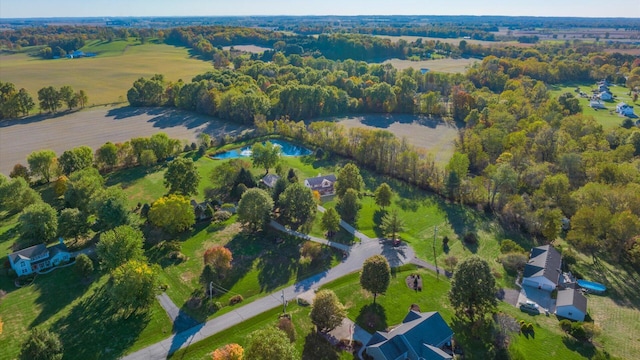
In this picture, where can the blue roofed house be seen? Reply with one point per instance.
(543, 268)
(38, 258)
(322, 184)
(422, 335)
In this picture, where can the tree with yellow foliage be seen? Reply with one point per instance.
(228, 352)
(173, 213)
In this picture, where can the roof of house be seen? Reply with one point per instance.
(317, 181)
(571, 297)
(544, 261)
(28, 253)
(419, 332)
(270, 180)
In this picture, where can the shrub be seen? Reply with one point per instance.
(236, 299)
(311, 250)
(445, 240)
(286, 325)
(228, 352)
(565, 325)
(510, 246)
(144, 211)
(221, 215)
(303, 302)
(513, 262)
(577, 331)
(229, 208)
(470, 238)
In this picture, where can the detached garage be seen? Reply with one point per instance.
(542, 271)
(571, 304)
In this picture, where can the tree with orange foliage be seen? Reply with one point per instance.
(228, 352)
(219, 257)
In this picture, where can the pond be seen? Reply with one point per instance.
(286, 149)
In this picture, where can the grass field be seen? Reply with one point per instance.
(608, 117)
(453, 41)
(437, 65)
(106, 77)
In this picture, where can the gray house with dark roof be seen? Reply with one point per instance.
(543, 268)
(420, 336)
(571, 304)
(37, 258)
(270, 180)
(322, 184)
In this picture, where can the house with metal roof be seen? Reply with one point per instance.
(38, 258)
(270, 180)
(543, 268)
(421, 335)
(571, 304)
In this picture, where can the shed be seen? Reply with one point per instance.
(571, 304)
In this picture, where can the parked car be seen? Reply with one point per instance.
(530, 307)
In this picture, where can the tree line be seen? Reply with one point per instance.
(14, 103)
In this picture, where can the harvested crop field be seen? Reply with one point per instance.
(433, 135)
(439, 65)
(454, 41)
(18, 138)
(254, 49)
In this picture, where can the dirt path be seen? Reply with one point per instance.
(94, 127)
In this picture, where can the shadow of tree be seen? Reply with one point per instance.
(377, 221)
(372, 317)
(277, 263)
(317, 347)
(586, 349)
(94, 329)
(478, 336)
(56, 290)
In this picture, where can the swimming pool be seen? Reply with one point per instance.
(592, 286)
(286, 149)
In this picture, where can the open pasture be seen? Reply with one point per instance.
(438, 65)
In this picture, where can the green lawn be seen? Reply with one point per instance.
(60, 302)
(608, 118)
(107, 77)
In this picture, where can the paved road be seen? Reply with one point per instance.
(358, 254)
(181, 321)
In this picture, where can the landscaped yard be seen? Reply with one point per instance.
(608, 117)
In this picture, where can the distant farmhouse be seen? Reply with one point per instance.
(38, 258)
(420, 336)
(624, 109)
(543, 268)
(322, 184)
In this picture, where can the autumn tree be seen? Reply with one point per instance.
(473, 289)
(20, 170)
(228, 352)
(254, 209)
(265, 155)
(270, 343)
(348, 178)
(41, 345)
(133, 286)
(120, 245)
(41, 163)
(297, 205)
(38, 223)
(182, 177)
(173, 213)
(331, 221)
(383, 195)
(327, 312)
(219, 258)
(375, 275)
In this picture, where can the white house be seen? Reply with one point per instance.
(624, 109)
(597, 104)
(37, 258)
(605, 96)
(543, 268)
(571, 304)
(322, 184)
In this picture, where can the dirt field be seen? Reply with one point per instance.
(439, 65)
(97, 126)
(435, 136)
(254, 49)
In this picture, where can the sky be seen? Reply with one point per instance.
(113, 8)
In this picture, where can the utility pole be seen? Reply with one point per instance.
(435, 259)
(210, 290)
(284, 303)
